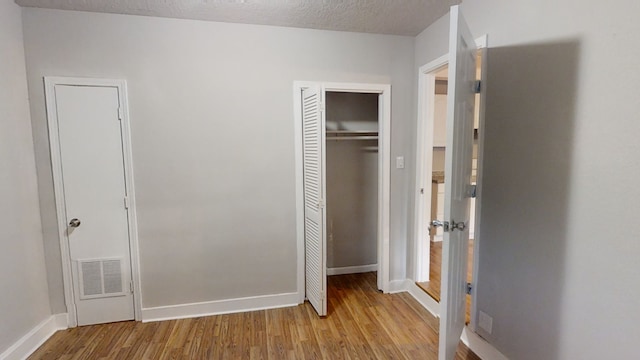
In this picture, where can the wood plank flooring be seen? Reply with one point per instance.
(432, 287)
(362, 324)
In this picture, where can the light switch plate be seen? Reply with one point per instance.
(400, 162)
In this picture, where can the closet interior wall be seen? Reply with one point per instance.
(352, 179)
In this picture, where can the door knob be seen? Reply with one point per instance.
(446, 226)
(74, 223)
(458, 225)
(436, 223)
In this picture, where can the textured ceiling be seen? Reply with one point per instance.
(396, 17)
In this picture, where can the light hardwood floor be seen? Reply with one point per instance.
(432, 287)
(362, 324)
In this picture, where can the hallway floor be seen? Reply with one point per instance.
(432, 287)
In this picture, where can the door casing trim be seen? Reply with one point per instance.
(423, 166)
(56, 166)
(384, 173)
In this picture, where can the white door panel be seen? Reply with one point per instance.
(91, 152)
(458, 163)
(314, 190)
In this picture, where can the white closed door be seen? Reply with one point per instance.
(95, 203)
(458, 161)
(313, 166)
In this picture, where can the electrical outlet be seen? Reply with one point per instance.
(485, 322)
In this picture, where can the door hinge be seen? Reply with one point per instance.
(120, 113)
(321, 107)
(477, 86)
(320, 203)
(126, 202)
(131, 286)
(468, 289)
(471, 191)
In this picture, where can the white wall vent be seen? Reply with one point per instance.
(100, 278)
(91, 278)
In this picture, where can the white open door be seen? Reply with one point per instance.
(314, 190)
(460, 108)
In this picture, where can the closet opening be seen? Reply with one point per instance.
(342, 187)
(351, 182)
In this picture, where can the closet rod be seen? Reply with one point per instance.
(352, 138)
(351, 135)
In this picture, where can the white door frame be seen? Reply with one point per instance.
(384, 172)
(56, 166)
(424, 166)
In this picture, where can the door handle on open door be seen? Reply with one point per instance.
(74, 223)
(458, 225)
(448, 226)
(436, 223)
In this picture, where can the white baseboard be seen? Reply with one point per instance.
(397, 286)
(352, 269)
(218, 307)
(408, 285)
(30, 342)
(480, 346)
(474, 342)
(424, 299)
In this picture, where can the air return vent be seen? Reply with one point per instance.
(100, 278)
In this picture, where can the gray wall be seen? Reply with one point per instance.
(213, 143)
(559, 246)
(24, 299)
(352, 182)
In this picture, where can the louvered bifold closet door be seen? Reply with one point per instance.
(314, 190)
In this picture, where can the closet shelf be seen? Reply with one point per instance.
(351, 135)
